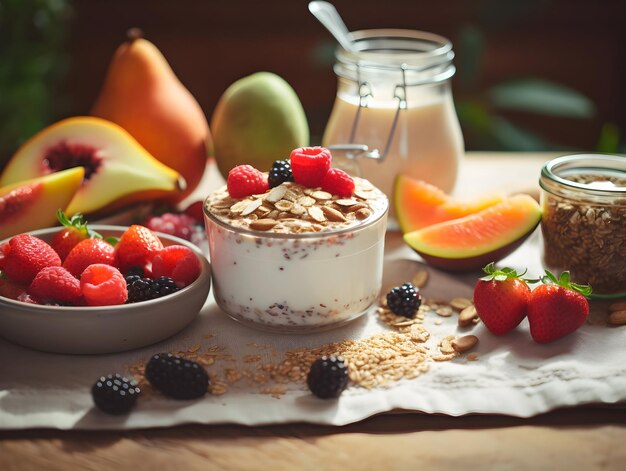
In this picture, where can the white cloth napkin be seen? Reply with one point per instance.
(512, 375)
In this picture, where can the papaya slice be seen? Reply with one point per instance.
(471, 242)
(419, 204)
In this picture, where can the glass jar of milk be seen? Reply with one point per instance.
(394, 111)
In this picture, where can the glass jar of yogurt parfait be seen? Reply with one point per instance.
(296, 259)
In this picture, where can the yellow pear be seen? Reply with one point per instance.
(142, 94)
(258, 119)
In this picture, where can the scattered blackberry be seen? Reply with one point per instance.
(177, 377)
(404, 300)
(143, 289)
(279, 173)
(328, 377)
(115, 394)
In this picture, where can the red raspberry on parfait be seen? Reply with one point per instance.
(245, 180)
(309, 165)
(338, 182)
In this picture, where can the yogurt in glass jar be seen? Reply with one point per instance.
(296, 259)
(394, 112)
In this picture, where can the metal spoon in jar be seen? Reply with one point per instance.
(327, 14)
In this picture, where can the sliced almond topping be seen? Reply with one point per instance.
(290, 196)
(465, 343)
(363, 194)
(251, 207)
(263, 224)
(316, 214)
(239, 206)
(276, 193)
(358, 206)
(284, 205)
(346, 202)
(321, 195)
(297, 209)
(306, 201)
(332, 214)
(263, 210)
(363, 213)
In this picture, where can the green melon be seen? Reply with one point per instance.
(469, 243)
(419, 204)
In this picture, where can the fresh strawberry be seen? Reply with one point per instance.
(88, 252)
(177, 262)
(501, 299)
(309, 165)
(245, 180)
(136, 247)
(74, 230)
(557, 307)
(55, 284)
(24, 255)
(103, 285)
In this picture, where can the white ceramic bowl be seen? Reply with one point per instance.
(106, 329)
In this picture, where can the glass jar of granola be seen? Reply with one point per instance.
(584, 220)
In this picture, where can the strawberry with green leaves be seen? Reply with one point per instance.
(136, 247)
(87, 252)
(557, 307)
(74, 230)
(501, 299)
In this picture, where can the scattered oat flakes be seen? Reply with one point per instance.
(444, 311)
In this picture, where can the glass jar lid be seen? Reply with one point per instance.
(423, 57)
(598, 175)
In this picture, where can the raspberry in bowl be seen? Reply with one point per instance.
(297, 258)
(108, 308)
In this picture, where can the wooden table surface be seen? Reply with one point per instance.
(582, 438)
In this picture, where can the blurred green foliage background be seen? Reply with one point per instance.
(33, 63)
